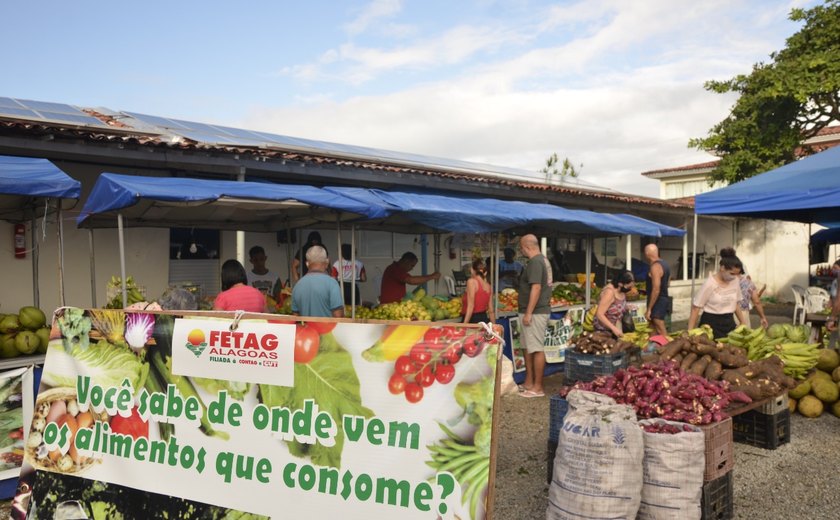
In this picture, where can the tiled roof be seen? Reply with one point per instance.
(820, 142)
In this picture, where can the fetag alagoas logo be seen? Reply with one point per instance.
(195, 342)
(252, 351)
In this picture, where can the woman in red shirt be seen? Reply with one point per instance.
(475, 304)
(236, 294)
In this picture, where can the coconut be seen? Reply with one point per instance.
(810, 406)
(801, 390)
(826, 391)
(9, 324)
(828, 360)
(7, 346)
(27, 342)
(32, 318)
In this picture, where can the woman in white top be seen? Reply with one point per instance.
(719, 297)
(342, 270)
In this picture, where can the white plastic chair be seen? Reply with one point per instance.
(817, 298)
(800, 301)
(450, 285)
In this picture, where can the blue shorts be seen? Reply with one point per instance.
(661, 308)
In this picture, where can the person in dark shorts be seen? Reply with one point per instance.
(656, 286)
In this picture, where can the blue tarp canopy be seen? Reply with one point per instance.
(827, 236)
(432, 211)
(24, 178)
(247, 206)
(807, 190)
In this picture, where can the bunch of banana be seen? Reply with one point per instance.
(747, 339)
(132, 291)
(799, 358)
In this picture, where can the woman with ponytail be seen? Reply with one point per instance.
(475, 305)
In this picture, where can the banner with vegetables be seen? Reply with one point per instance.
(363, 420)
(15, 394)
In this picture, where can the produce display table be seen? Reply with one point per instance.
(817, 322)
(21, 361)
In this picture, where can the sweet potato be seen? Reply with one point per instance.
(713, 371)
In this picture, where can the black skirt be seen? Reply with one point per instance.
(721, 324)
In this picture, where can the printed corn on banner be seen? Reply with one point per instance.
(153, 415)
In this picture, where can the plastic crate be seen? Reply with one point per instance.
(586, 367)
(720, 449)
(762, 430)
(557, 409)
(549, 461)
(778, 404)
(717, 502)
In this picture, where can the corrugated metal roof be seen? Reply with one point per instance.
(155, 131)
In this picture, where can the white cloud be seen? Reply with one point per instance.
(622, 97)
(373, 12)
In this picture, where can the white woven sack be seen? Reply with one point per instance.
(673, 473)
(598, 463)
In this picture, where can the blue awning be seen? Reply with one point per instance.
(186, 202)
(807, 190)
(464, 214)
(35, 178)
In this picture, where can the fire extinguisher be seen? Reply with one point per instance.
(20, 241)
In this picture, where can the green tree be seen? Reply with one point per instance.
(565, 169)
(781, 103)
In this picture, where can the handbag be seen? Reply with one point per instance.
(627, 323)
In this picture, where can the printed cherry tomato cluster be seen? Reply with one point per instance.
(431, 360)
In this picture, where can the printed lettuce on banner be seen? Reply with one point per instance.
(370, 420)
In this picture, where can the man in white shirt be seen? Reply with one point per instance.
(259, 276)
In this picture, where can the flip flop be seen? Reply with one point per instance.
(531, 393)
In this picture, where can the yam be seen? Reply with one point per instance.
(735, 378)
(687, 361)
(677, 359)
(672, 349)
(699, 366)
(713, 371)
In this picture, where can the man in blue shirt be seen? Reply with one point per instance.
(509, 270)
(317, 293)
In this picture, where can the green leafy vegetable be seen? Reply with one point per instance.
(74, 327)
(331, 381)
(235, 389)
(106, 364)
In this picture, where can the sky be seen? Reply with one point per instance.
(615, 86)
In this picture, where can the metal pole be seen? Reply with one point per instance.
(588, 285)
(339, 256)
(36, 293)
(437, 261)
(353, 270)
(121, 232)
(685, 252)
(240, 235)
(60, 255)
(288, 252)
(629, 251)
(92, 270)
(694, 258)
(495, 288)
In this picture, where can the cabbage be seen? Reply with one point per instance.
(776, 330)
(105, 363)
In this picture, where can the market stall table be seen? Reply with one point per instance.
(817, 322)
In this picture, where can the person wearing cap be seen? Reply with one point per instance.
(317, 293)
(396, 276)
